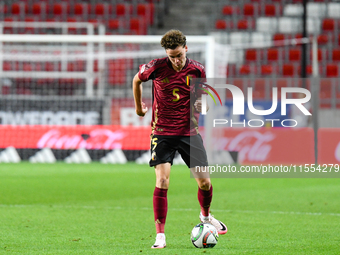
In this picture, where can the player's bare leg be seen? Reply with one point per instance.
(204, 195)
(160, 202)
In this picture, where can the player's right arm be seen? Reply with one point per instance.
(137, 88)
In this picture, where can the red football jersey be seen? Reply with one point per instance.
(172, 111)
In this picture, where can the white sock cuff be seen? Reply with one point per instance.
(160, 235)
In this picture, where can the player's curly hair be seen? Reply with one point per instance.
(172, 39)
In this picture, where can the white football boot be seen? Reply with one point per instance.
(220, 226)
(160, 242)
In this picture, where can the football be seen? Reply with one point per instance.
(204, 235)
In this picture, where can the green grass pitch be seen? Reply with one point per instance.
(107, 209)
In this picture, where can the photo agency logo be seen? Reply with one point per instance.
(203, 86)
(204, 98)
(245, 112)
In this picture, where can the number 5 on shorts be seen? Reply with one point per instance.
(154, 143)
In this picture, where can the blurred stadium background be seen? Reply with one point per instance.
(65, 98)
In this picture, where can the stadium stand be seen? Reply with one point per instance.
(119, 17)
(248, 21)
(137, 17)
(281, 19)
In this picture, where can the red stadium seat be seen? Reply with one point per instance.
(61, 9)
(39, 8)
(267, 70)
(113, 24)
(19, 8)
(246, 24)
(221, 24)
(270, 10)
(6, 66)
(228, 10)
(242, 24)
(309, 70)
(288, 70)
(339, 40)
(120, 9)
(49, 67)
(99, 9)
(251, 55)
(249, 10)
(27, 67)
(272, 55)
(57, 9)
(336, 55)
(81, 9)
(332, 70)
(137, 26)
(77, 66)
(78, 9)
(244, 70)
(123, 9)
(279, 37)
(294, 55)
(328, 25)
(146, 11)
(143, 9)
(322, 39)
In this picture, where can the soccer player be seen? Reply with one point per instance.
(174, 125)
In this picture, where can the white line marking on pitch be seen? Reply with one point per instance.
(173, 209)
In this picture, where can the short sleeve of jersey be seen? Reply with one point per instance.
(146, 71)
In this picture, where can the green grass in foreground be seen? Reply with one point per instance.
(107, 209)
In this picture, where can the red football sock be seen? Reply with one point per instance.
(204, 198)
(160, 208)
